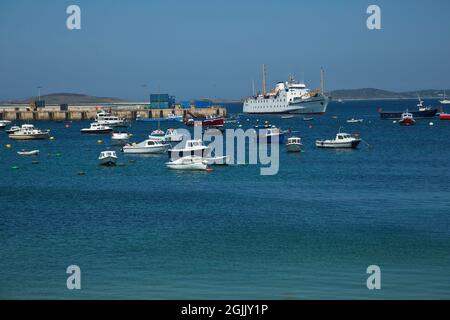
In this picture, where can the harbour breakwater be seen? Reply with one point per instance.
(75, 113)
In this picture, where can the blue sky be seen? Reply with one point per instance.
(210, 48)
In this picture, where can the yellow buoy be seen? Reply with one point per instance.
(99, 141)
(8, 146)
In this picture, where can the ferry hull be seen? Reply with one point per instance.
(317, 107)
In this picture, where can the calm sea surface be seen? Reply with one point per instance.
(142, 231)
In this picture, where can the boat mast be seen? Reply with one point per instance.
(322, 81)
(264, 79)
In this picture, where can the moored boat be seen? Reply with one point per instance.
(172, 135)
(191, 148)
(212, 121)
(120, 137)
(23, 152)
(171, 117)
(4, 123)
(342, 141)
(407, 119)
(108, 158)
(294, 144)
(149, 146)
(192, 163)
(444, 116)
(157, 135)
(422, 112)
(107, 119)
(96, 128)
(29, 132)
(353, 120)
(270, 134)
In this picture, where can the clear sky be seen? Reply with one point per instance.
(211, 48)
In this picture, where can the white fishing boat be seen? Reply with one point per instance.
(4, 123)
(107, 119)
(172, 135)
(191, 148)
(120, 137)
(222, 160)
(23, 152)
(97, 128)
(108, 158)
(353, 120)
(445, 100)
(12, 129)
(157, 135)
(149, 146)
(188, 163)
(342, 140)
(29, 132)
(294, 144)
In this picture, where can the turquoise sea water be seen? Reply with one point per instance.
(143, 231)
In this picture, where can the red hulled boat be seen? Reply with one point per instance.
(407, 119)
(208, 122)
(444, 116)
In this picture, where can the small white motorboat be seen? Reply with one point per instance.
(12, 129)
(287, 117)
(294, 144)
(157, 135)
(223, 160)
(188, 163)
(120, 137)
(97, 128)
(108, 158)
(342, 140)
(28, 153)
(4, 123)
(146, 147)
(172, 135)
(192, 148)
(353, 120)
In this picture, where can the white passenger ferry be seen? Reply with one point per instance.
(288, 97)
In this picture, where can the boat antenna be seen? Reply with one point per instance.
(264, 79)
(253, 86)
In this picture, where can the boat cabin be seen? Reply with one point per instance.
(343, 136)
(294, 140)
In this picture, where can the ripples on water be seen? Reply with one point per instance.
(142, 231)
